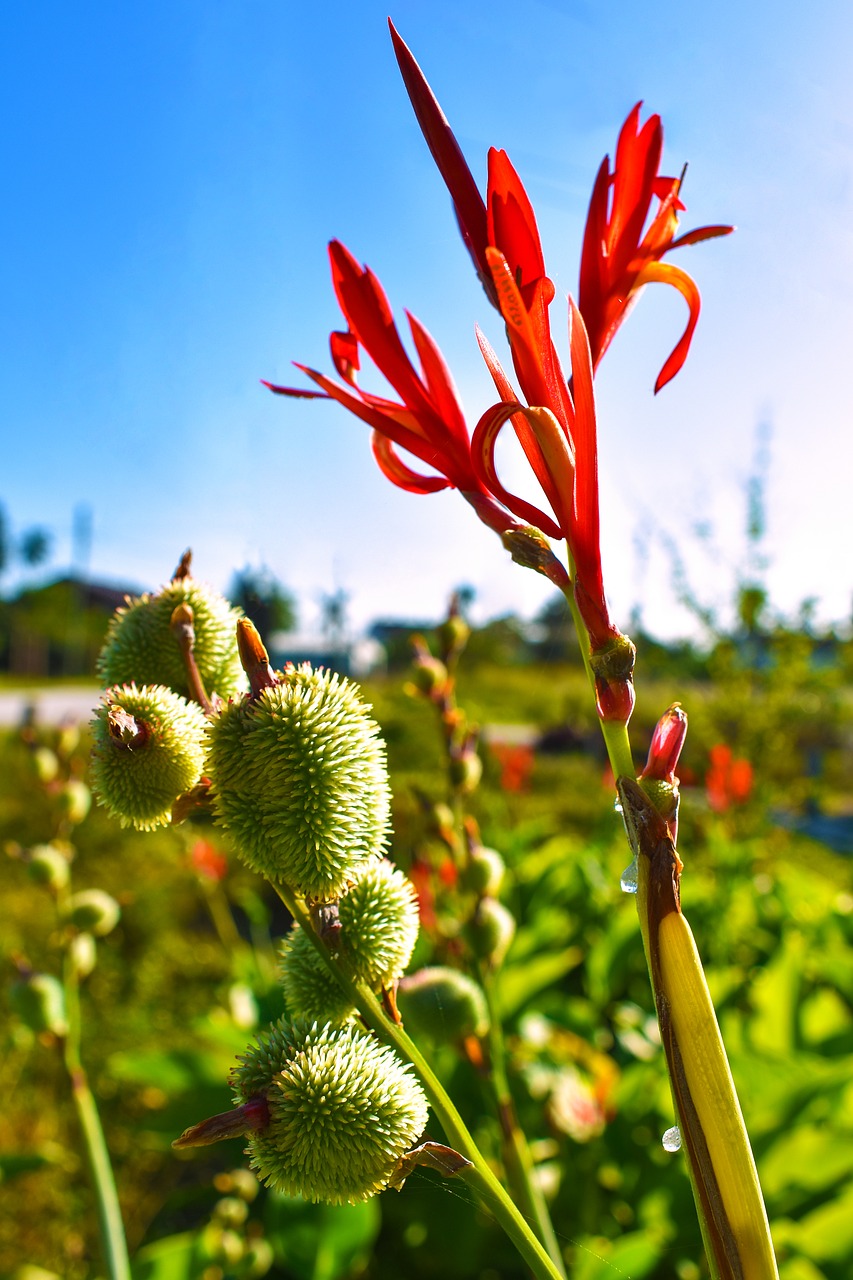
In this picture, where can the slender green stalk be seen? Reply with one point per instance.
(517, 1159)
(113, 1242)
(480, 1177)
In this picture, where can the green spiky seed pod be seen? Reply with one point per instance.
(485, 872)
(491, 930)
(299, 778)
(148, 749)
(141, 647)
(49, 865)
(310, 990)
(93, 911)
(442, 1005)
(377, 927)
(343, 1109)
(379, 923)
(39, 1001)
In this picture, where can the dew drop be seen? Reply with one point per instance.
(629, 880)
(671, 1140)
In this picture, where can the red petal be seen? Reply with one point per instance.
(296, 393)
(344, 349)
(483, 456)
(594, 263)
(512, 223)
(439, 381)
(666, 273)
(701, 233)
(368, 312)
(585, 535)
(637, 160)
(395, 470)
(447, 154)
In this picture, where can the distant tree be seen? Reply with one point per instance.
(556, 640)
(34, 546)
(265, 600)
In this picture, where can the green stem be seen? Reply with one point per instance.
(615, 732)
(480, 1177)
(113, 1240)
(517, 1159)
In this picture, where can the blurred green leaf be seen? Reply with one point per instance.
(519, 983)
(320, 1241)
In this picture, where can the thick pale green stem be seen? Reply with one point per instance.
(480, 1177)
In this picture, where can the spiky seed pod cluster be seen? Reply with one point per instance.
(141, 647)
(442, 1005)
(343, 1109)
(377, 930)
(149, 746)
(299, 778)
(379, 923)
(310, 991)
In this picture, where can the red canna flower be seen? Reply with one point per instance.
(618, 257)
(728, 780)
(429, 423)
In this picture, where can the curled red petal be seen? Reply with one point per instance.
(666, 273)
(395, 470)
(483, 444)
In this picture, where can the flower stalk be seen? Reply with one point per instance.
(478, 1175)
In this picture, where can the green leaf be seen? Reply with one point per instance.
(518, 984)
(634, 1255)
(320, 1241)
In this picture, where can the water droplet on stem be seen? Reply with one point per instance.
(671, 1140)
(629, 881)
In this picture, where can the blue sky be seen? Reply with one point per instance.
(173, 173)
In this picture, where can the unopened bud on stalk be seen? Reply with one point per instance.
(148, 750)
(93, 911)
(39, 1001)
(465, 768)
(453, 634)
(658, 779)
(299, 779)
(443, 1005)
(49, 866)
(74, 800)
(430, 674)
(141, 646)
(343, 1109)
(529, 547)
(491, 931)
(485, 872)
(612, 665)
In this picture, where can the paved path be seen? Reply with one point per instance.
(53, 703)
